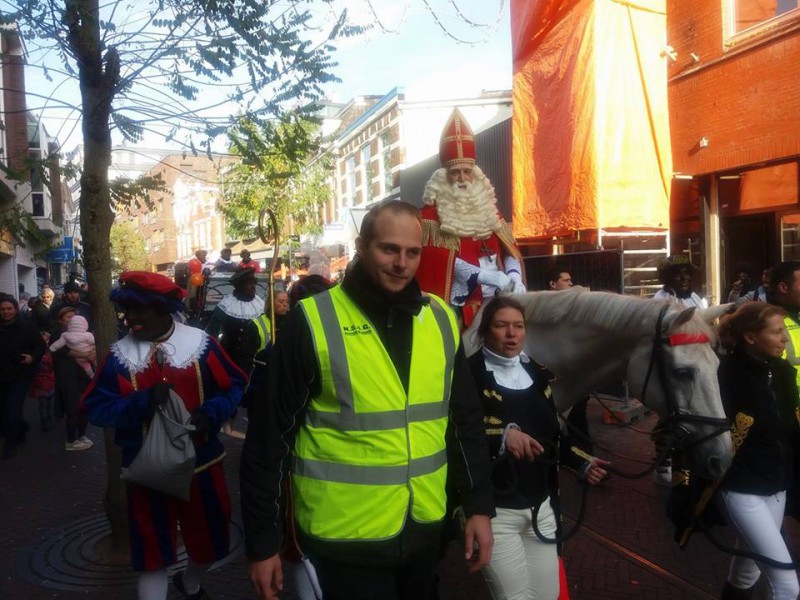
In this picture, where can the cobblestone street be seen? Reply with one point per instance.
(52, 519)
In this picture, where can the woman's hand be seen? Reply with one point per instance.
(522, 446)
(90, 356)
(596, 471)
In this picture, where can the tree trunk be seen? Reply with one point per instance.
(98, 76)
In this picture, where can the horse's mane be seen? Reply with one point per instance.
(604, 311)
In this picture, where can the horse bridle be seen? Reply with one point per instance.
(678, 436)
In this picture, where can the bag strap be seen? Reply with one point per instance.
(186, 426)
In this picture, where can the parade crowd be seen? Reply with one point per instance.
(373, 441)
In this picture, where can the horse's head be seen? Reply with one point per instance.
(674, 372)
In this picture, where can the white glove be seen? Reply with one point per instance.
(496, 279)
(516, 279)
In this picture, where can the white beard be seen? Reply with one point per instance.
(469, 212)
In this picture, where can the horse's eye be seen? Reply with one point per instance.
(686, 373)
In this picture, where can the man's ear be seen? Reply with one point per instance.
(782, 287)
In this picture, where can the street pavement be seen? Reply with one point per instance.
(51, 520)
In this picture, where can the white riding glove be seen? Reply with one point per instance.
(516, 280)
(496, 279)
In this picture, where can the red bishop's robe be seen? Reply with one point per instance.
(440, 250)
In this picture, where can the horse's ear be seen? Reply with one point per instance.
(712, 313)
(681, 318)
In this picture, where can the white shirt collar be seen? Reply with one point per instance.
(183, 347)
(508, 372)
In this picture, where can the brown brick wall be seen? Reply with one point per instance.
(170, 169)
(15, 117)
(744, 98)
(56, 191)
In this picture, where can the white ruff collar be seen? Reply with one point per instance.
(182, 348)
(239, 309)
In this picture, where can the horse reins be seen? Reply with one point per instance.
(676, 433)
(678, 436)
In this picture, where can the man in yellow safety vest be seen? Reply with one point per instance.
(784, 288)
(373, 397)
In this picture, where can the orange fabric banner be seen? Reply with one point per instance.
(591, 145)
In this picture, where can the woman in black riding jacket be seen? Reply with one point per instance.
(522, 430)
(759, 391)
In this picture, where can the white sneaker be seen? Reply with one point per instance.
(76, 445)
(86, 440)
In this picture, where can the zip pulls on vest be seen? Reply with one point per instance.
(390, 319)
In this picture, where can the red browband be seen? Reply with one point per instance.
(681, 339)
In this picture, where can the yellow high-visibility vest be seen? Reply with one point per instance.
(369, 454)
(264, 328)
(792, 352)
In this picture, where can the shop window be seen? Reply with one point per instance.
(790, 237)
(749, 14)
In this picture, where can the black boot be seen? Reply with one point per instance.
(730, 592)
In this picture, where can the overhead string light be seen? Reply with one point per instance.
(486, 26)
(385, 29)
(483, 28)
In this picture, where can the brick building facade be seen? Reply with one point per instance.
(185, 215)
(35, 186)
(734, 92)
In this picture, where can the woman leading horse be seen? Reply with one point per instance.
(522, 430)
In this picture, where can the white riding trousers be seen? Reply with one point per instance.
(523, 567)
(758, 521)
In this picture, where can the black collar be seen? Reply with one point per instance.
(366, 293)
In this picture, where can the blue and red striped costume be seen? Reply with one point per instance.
(119, 397)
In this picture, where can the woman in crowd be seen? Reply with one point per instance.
(40, 310)
(760, 395)
(521, 422)
(21, 350)
(71, 381)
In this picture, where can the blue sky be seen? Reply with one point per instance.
(421, 57)
(417, 55)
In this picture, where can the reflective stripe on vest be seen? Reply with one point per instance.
(264, 331)
(369, 453)
(793, 347)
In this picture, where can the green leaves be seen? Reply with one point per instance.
(130, 129)
(18, 221)
(128, 248)
(129, 193)
(277, 170)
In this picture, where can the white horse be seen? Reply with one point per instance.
(591, 339)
